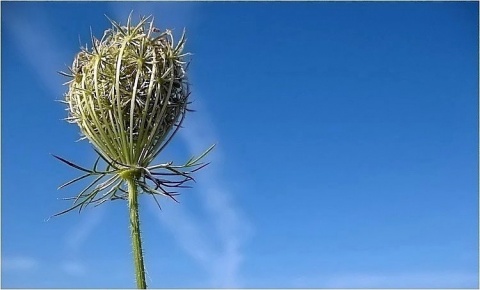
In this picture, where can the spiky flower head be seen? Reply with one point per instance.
(128, 91)
(128, 94)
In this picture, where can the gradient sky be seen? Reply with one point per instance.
(347, 149)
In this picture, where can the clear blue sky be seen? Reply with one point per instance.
(347, 149)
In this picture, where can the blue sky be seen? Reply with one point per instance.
(347, 149)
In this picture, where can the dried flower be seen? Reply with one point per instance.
(129, 95)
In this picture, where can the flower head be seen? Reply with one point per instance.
(128, 94)
(128, 91)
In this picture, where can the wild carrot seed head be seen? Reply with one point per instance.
(129, 94)
(128, 90)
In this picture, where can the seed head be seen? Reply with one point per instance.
(128, 94)
(128, 91)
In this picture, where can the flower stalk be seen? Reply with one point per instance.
(135, 234)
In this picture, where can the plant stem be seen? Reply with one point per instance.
(135, 232)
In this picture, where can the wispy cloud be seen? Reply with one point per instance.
(391, 280)
(74, 268)
(19, 263)
(27, 38)
(80, 233)
(225, 226)
(76, 240)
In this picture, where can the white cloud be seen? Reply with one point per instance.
(393, 280)
(19, 263)
(74, 268)
(27, 38)
(215, 242)
(76, 239)
(81, 232)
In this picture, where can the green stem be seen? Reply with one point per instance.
(135, 232)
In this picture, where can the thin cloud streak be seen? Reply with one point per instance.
(19, 263)
(27, 38)
(74, 268)
(232, 227)
(392, 280)
(185, 229)
(225, 226)
(77, 237)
